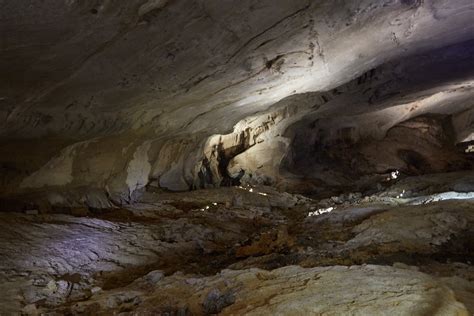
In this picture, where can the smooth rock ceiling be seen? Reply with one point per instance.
(101, 98)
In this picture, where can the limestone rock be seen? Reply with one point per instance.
(360, 290)
(111, 97)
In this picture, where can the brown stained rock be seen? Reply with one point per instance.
(275, 240)
(292, 290)
(154, 258)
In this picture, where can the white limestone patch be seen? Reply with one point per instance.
(57, 172)
(139, 168)
(451, 195)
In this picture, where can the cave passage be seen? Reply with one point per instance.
(257, 157)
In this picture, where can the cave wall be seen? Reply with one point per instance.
(100, 99)
(337, 137)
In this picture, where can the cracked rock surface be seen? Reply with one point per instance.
(100, 99)
(248, 250)
(262, 157)
(363, 290)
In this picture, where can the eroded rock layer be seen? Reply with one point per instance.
(251, 250)
(99, 99)
(245, 157)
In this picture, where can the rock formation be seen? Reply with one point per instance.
(177, 151)
(102, 98)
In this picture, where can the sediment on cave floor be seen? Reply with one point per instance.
(177, 157)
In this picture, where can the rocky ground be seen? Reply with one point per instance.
(405, 250)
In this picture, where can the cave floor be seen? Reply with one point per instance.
(242, 250)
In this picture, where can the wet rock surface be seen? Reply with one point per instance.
(273, 253)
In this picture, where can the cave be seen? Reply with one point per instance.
(237, 157)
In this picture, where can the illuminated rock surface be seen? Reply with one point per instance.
(100, 98)
(366, 290)
(93, 262)
(206, 156)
